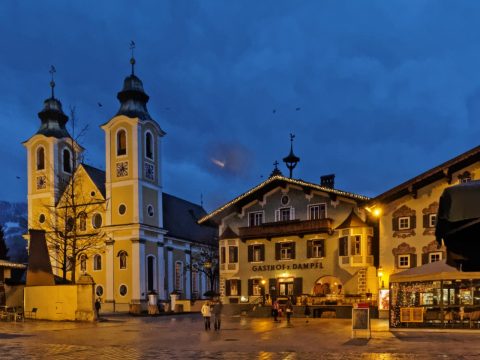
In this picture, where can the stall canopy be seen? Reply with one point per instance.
(458, 225)
(435, 271)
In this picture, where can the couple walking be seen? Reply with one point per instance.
(212, 307)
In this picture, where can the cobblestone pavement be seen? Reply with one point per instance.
(183, 337)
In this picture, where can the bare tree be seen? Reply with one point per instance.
(206, 261)
(68, 235)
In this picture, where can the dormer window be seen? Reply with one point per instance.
(121, 143)
(41, 158)
(149, 145)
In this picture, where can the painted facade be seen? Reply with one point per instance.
(407, 215)
(290, 238)
(141, 238)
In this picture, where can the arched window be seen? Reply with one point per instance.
(97, 262)
(83, 263)
(121, 143)
(41, 158)
(123, 259)
(82, 221)
(67, 161)
(149, 145)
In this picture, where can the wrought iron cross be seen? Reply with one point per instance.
(52, 82)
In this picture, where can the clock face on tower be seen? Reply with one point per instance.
(122, 169)
(149, 171)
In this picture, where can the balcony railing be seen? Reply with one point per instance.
(286, 228)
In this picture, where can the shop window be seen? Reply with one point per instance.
(256, 253)
(404, 261)
(404, 223)
(285, 287)
(121, 142)
(233, 254)
(97, 262)
(255, 218)
(41, 158)
(178, 275)
(317, 211)
(343, 246)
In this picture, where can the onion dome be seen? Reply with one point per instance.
(133, 99)
(52, 116)
(291, 160)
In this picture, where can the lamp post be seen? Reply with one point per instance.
(263, 291)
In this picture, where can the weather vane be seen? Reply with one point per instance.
(132, 60)
(52, 82)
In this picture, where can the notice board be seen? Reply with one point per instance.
(361, 322)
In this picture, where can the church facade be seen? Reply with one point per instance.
(118, 224)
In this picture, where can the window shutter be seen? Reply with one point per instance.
(395, 224)
(250, 253)
(413, 260)
(396, 261)
(277, 251)
(298, 286)
(426, 223)
(239, 287)
(413, 222)
(424, 259)
(250, 287)
(272, 287)
(262, 252)
(309, 248)
(352, 245)
(293, 250)
(227, 287)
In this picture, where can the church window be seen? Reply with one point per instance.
(99, 290)
(149, 145)
(150, 273)
(82, 221)
(97, 221)
(121, 143)
(41, 158)
(83, 262)
(97, 262)
(123, 259)
(41, 218)
(150, 210)
(70, 224)
(178, 275)
(123, 290)
(122, 209)
(67, 161)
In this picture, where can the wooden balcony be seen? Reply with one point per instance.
(286, 228)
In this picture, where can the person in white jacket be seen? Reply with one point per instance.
(207, 313)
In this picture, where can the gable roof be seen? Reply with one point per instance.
(97, 176)
(442, 171)
(352, 220)
(271, 183)
(180, 219)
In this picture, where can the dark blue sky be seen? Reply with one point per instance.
(386, 89)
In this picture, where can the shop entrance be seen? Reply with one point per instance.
(285, 287)
(327, 285)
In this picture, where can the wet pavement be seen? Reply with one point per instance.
(183, 337)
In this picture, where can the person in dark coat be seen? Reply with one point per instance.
(98, 306)
(307, 312)
(217, 313)
(289, 310)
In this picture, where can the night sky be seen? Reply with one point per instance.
(375, 91)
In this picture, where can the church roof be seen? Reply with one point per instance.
(268, 185)
(180, 219)
(97, 176)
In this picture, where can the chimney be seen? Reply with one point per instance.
(327, 181)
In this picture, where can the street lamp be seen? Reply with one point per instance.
(263, 291)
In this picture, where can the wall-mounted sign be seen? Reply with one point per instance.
(298, 266)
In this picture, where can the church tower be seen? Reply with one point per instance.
(50, 161)
(134, 218)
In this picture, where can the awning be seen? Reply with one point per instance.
(435, 271)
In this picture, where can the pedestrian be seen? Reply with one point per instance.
(207, 313)
(275, 307)
(98, 306)
(307, 311)
(289, 310)
(217, 313)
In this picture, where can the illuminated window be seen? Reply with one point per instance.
(317, 211)
(149, 145)
(318, 248)
(178, 275)
(356, 244)
(286, 251)
(234, 287)
(40, 158)
(404, 261)
(121, 143)
(256, 253)
(404, 223)
(432, 220)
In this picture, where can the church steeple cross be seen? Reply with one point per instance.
(52, 81)
(132, 59)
